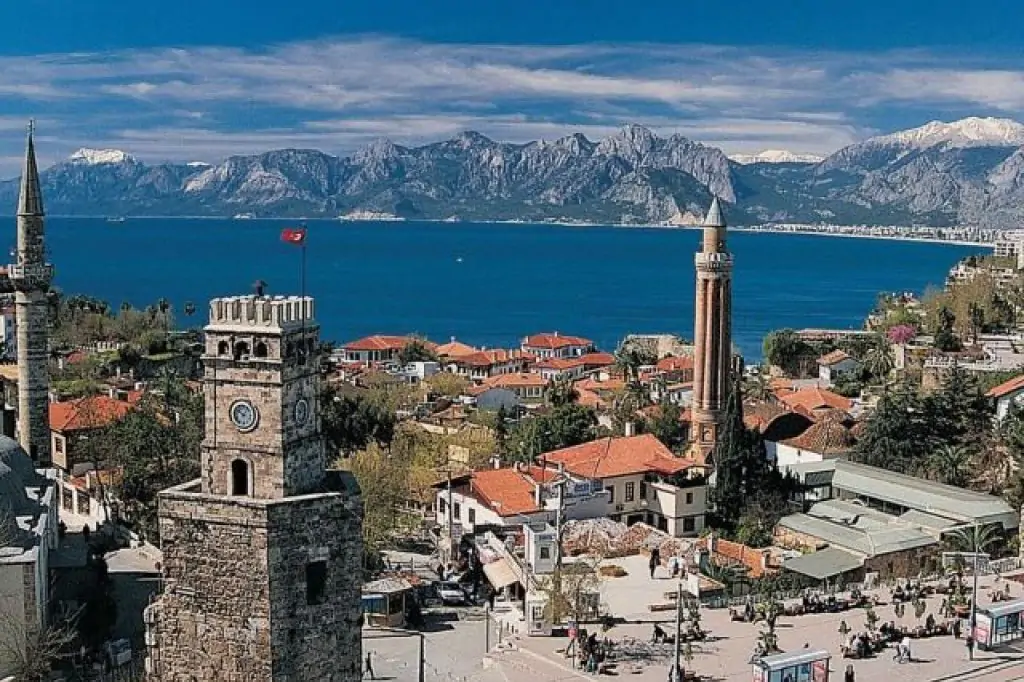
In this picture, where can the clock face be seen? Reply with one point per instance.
(244, 415)
(301, 411)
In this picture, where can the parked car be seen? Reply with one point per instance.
(451, 593)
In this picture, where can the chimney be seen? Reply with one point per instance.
(630, 429)
(537, 499)
(711, 543)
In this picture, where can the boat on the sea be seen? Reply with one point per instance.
(116, 219)
(243, 216)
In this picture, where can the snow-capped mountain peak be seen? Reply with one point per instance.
(98, 156)
(198, 164)
(973, 131)
(775, 156)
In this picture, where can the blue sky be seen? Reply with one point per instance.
(190, 80)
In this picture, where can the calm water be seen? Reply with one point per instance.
(491, 284)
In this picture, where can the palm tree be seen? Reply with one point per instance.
(757, 387)
(949, 464)
(879, 361)
(975, 539)
(163, 306)
(189, 308)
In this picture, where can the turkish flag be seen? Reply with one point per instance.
(294, 235)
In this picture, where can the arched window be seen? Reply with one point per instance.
(260, 351)
(222, 348)
(239, 477)
(241, 350)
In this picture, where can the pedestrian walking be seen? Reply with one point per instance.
(369, 666)
(969, 640)
(907, 658)
(652, 565)
(849, 676)
(956, 628)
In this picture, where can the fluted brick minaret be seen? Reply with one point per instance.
(712, 334)
(31, 276)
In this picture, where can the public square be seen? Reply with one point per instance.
(455, 647)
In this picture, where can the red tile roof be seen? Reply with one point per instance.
(674, 364)
(454, 349)
(87, 413)
(597, 359)
(559, 364)
(506, 491)
(509, 381)
(735, 553)
(555, 340)
(599, 386)
(381, 342)
(833, 358)
(610, 457)
(486, 358)
(816, 399)
(1007, 387)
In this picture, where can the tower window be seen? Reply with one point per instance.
(261, 350)
(241, 351)
(222, 348)
(316, 582)
(239, 477)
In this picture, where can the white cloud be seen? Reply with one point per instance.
(207, 102)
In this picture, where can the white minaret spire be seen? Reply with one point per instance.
(31, 275)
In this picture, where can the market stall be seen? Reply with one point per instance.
(798, 666)
(999, 624)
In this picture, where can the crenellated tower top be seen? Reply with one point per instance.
(261, 313)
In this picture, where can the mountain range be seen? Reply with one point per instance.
(968, 172)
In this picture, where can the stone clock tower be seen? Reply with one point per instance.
(712, 334)
(263, 553)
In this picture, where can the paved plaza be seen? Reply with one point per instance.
(455, 651)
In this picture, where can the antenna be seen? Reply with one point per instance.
(31, 126)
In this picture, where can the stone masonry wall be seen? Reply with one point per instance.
(235, 605)
(33, 374)
(212, 622)
(316, 642)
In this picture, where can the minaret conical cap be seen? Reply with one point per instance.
(714, 217)
(30, 200)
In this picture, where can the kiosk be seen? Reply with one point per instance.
(799, 666)
(999, 624)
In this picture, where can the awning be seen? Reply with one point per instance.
(500, 574)
(824, 564)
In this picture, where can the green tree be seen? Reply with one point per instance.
(563, 426)
(667, 426)
(983, 539)
(416, 350)
(352, 420)
(896, 435)
(384, 483)
(784, 349)
(950, 464)
(878, 361)
(741, 464)
(155, 446)
(757, 387)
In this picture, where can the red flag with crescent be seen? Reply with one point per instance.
(294, 235)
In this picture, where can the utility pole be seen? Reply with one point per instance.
(559, 517)
(974, 595)
(423, 660)
(676, 675)
(451, 515)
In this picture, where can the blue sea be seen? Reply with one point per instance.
(490, 284)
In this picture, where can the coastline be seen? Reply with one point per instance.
(553, 223)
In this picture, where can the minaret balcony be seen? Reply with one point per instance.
(714, 261)
(30, 273)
